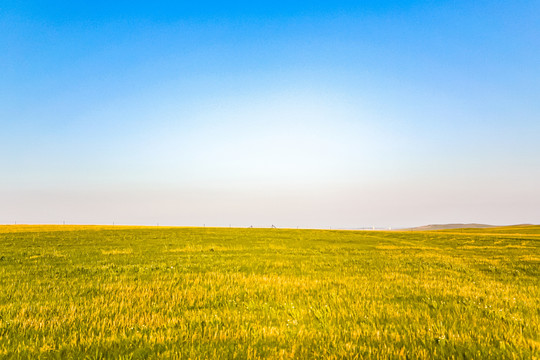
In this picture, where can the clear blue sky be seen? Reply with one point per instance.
(310, 114)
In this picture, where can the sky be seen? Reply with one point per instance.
(334, 114)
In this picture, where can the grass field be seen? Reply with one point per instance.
(196, 293)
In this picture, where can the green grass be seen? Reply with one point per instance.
(134, 293)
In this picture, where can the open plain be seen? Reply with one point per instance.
(103, 292)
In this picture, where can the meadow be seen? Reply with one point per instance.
(96, 292)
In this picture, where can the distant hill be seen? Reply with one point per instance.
(450, 226)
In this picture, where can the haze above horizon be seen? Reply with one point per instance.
(311, 114)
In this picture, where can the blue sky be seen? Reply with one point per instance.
(310, 114)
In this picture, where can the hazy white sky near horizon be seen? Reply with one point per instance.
(393, 113)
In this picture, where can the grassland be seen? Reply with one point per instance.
(195, 293)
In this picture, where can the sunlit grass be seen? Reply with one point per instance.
(148, 292)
